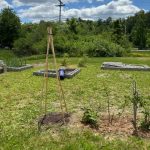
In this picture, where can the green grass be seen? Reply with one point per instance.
(20, 106)
(140, 54)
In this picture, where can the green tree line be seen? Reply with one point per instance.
(76, 36)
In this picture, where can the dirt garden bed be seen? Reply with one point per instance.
(120, 127)
(53, 118)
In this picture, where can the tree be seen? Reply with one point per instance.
(139, 35)
(118, 31)
(73, 25)
(9, 27)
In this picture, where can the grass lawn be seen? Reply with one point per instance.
(21, 105)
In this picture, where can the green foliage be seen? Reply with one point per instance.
(118, 30)
(145, 104)
(82, 61)
(77, 36)
(41, 46)
(64, 62)
(16, 62)
(6, 54)
(90, 117)
(9, 27)
(139, 31)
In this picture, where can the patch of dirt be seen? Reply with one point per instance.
(120, 127)
(39, 65)
(54, 118)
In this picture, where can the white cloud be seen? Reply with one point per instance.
(4, 4)
(48, 11)
(39, 2)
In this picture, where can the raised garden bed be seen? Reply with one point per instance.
(69, 73)
(121, 66)
(19, 68)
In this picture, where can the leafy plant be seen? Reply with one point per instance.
(90, 117)
(136, 99)
(65, 59)
(82, 62)
(145, 104)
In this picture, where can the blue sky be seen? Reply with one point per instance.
(36, 10)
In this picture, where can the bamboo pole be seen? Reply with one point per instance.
(46, 75)
(62, 97)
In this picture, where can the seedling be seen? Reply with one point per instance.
(110, 117)
(145, 104)
(136, 102)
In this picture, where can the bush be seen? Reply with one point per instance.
(65, 60)
(23, 47)
(40, 47)
(82, 61)
(90, 117)
(145, 125)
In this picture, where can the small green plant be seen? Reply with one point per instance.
(65, 59)
(82, 61)
(107, 93)
(90, 117)
(145, 104)
(136, 99)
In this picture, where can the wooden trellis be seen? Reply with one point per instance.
(63, 105)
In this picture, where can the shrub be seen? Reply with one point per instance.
(40, 47)
(23, 47)
(90, 117)
(82, 61)
(65, 60)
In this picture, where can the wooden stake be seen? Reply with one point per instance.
(57, 74)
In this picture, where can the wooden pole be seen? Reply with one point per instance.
(57, 74)
(46, 74)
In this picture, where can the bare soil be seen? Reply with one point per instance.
(120, 127)
(53, 118)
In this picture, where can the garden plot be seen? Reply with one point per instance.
(69, 73)
(122, 66)
(21, 68)
(16, 64)
(53, 118)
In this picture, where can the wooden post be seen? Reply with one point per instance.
(61, 92)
